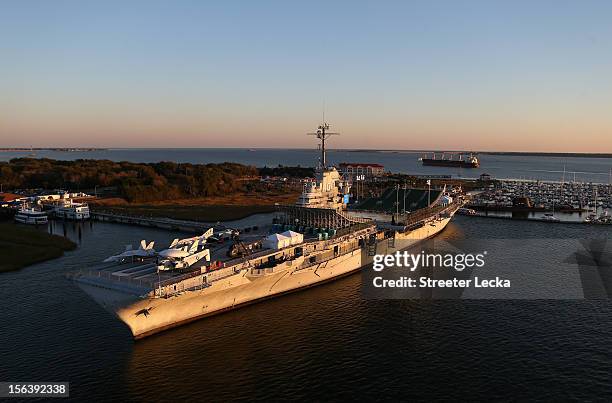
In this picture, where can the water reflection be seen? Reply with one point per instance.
(273, 344)
(326, 343)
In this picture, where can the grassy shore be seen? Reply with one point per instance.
(209, 209)
(21, 246)
(190, 212)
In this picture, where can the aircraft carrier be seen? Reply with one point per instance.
(317, 240)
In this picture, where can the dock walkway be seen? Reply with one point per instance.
(157, 222)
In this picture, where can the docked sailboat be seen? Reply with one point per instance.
(551, 216)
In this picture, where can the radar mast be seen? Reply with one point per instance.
(323, 134)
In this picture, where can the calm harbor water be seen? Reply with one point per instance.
(499, 166)
(327, 343)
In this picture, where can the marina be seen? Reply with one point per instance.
(575, 202)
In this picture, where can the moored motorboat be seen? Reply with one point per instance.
(31, 216)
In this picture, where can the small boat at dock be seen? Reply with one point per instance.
(550, 217)
(31, 216)
(72, 211)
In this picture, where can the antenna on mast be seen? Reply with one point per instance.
(322, 134)
(323, 111)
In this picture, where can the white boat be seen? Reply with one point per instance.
(550, 217)
(31, 216)
(73, 211)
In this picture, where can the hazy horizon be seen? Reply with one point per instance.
(475, 75)
(395, 150)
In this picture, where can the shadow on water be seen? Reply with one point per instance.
(273, 343)
(73, 230)
(329, 344)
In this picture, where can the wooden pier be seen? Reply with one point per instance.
(153, 222)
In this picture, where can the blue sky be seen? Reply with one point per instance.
(520, 75)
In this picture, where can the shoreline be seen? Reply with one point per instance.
(204, 214)
(535, 219)
(22, 246)
(357, 150)
(509, 153)
(64, 149)
(231, 207)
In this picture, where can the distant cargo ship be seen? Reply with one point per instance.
(469, 161)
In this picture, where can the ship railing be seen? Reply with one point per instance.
(246, 259)
(362, 233)
(325, 248)
(180, 277)
(357, 234)
(426, 213)
(238, 264)
(353, 218)
(161, 289)
(245, 262)
(110, 276)
(343, 251)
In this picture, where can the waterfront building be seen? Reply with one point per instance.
(350, 169)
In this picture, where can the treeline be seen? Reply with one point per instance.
(133, 181)
(140, 182)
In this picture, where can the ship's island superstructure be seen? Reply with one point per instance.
(312, 242)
